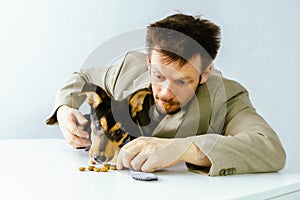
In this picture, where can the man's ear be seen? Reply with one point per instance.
(206, 74)
(148, 61)
(94, 94)
(136, 101)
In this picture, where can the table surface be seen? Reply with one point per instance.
(48, 169)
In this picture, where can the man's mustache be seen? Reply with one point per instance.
(169, 101)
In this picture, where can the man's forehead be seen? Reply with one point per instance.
(185, 72)
(192, 65)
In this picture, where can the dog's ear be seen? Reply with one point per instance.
(95, 94)
(136, 101)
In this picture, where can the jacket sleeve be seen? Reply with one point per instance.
(247, 145)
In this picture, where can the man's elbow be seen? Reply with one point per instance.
(277, 157)
(280, 159)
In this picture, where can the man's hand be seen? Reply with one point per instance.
(150, 154)
(68, 119)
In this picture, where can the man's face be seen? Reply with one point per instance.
(173, 84)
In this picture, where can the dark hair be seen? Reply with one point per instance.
(180, 37)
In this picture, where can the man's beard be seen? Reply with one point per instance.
(163, 111)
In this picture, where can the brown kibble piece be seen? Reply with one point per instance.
(166, 106)
(104, 169)
(112, 167)
(96, 169)
(81, 168)
(106, 165)
(91, 168)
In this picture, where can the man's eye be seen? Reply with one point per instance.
(159, 76)
(182, 82)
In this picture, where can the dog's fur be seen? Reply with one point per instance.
(113, 123)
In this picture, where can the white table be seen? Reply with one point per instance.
(48, 169)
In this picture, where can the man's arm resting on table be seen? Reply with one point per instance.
(243, 150)
(195, 156)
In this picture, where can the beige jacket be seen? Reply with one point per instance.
(220, 118)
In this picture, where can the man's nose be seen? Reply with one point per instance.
(166, 93)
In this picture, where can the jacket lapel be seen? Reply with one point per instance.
(167, 128)
(192, 121)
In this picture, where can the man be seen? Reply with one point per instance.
(199, 117)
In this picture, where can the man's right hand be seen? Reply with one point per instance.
(68, 119)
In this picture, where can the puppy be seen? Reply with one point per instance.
(114, 123)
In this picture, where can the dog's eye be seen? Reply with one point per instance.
(98, 126)
(118, 132)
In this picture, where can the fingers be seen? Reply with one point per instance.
(80, 118)
(77, 136)
(75, 141)
(68, 118)
(149, 154)
(138, 162)
(126, 154)
(132, 156)
(74, 129)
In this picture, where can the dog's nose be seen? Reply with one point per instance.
(99, 158)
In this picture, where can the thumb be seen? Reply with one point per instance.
(80, 118)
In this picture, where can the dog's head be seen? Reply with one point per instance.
(110, 121)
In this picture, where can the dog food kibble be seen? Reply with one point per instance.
(106, 165)
(91, 168)
(166, 106)
(81, 168)
(96, 169)
(104, 169)
(112, 167)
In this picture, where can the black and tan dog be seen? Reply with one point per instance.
(113, 123)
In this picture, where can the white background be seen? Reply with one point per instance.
(43, 41)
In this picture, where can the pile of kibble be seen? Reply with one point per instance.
(94, 168)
